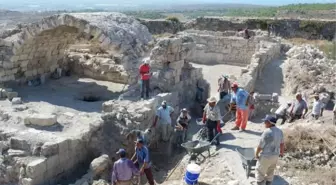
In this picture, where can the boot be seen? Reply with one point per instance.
(268, 182)
(261, 183)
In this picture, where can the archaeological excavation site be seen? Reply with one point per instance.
(70, 96)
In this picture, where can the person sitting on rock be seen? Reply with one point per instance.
(240, 97)
(164, 116)
(223, 86)
(318, 107)
(144, 70)
(123, 170)
(182, 123)
(281, 112)
(271, 145)
(299, 108)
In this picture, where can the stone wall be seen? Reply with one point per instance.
(268, 51)
(213, 48)
(40, 48)
(175, 81)
(288, 28)
(45, 162)
(162, 26)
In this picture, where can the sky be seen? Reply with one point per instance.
(85, 4)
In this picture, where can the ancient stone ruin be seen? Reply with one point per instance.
(70, 91)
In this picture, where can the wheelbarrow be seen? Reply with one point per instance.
(248, 159)
(197, 147)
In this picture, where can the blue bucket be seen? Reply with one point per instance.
(192, 174)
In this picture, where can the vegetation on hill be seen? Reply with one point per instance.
(316, 10)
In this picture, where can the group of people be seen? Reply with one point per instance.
(270, 147)
(124, 170)
(299, 109)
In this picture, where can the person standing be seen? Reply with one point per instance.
(212, 117)
(299, 109)
(240, 97)
(281, 112)
(182, 126)
(318, 107)
(334, 111)
(143, 161)
(251, 105)
(164, 116)
(123, 170)
(223, 86)
(271, 145)
(144, 71)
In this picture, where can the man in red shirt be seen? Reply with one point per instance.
(145, 76)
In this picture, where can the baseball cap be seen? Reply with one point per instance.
(164, 103)
(234, 85)
(121, 151)
(270, 118)
(139, 140)
(184, 110)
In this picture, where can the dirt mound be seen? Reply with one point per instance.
(308, 69)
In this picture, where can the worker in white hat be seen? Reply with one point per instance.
(164, 116)
(212, 117)
(144, 71)
(181, 127)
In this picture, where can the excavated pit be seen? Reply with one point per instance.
(96, 111)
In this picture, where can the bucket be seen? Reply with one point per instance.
(192, 174)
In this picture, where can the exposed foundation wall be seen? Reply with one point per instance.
(215, 49)
(288, 28)
(45, 163)
(267, 52)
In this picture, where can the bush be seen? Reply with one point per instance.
(173, 19)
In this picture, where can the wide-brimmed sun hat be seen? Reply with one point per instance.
(212, 99)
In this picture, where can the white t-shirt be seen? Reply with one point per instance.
(281, 110)
(317, 106)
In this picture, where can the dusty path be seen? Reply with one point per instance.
(212, 73)
(225, 165)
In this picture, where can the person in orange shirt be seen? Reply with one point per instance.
(144, 70)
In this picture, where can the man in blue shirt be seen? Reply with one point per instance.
(240, 97)
(142, 160)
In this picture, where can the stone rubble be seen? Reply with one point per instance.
(309, 70)
(40, 120)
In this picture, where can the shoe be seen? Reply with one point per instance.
(268, 182)
(235, 128)
(242, 130)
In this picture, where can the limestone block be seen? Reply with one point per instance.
(49, 149)
(19, 144)
(324, 97)
(17, 153)
(40, 119)
(36, 168)
(3, 146)
(16, 101)
(99, 165)
(53, 168)
(27, 181)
